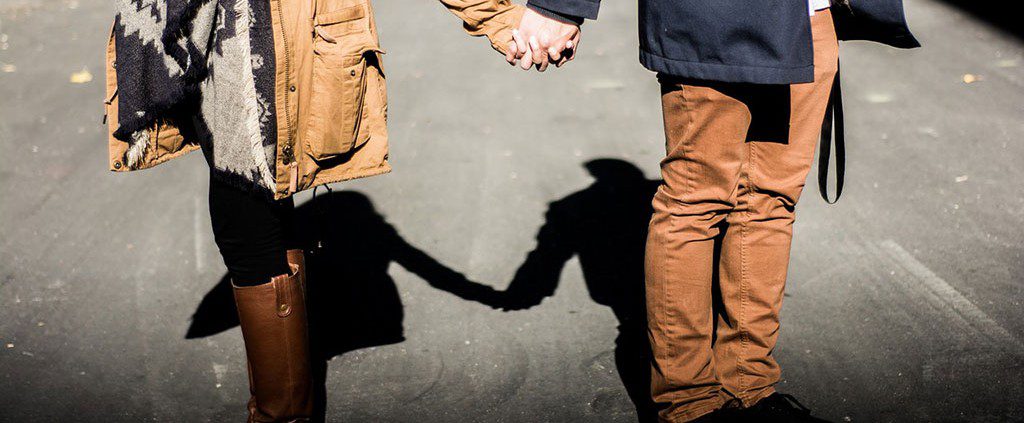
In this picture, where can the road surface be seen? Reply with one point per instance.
(903, 304)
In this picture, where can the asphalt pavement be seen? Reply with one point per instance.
(903, 302)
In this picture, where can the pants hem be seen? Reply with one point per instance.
(748, 399)
(691, 414)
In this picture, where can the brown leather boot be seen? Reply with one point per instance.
(274, 327)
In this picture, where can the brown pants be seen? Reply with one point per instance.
(718, 247)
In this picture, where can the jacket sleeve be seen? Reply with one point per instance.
(492, 18)
(569, 19)
(576, 8)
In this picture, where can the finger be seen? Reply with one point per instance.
(540, 57)
(526, 62)
(568, 53)
(561, 48)
(553, 50)
(554, 54)
(542, 47)
(565, 58)
(521, 46)
(510, 53)
(574, 45)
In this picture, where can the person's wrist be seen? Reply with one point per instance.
(499, 30)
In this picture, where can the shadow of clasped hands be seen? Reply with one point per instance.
(354, 303)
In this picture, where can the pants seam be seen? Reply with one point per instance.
(687, 148)
(744, 288)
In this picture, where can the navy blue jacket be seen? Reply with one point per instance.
(754, 41)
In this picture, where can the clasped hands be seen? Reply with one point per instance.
(541, 41)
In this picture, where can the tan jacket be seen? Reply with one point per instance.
(330, 92)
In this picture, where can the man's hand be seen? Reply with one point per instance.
(541, 40)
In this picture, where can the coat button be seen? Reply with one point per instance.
(352, 72)
(283, 308)
(113, 64)
(291, 88)
(117, 165)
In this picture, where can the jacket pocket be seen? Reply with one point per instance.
(343, 47)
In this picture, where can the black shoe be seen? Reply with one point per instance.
(775, 408)
(720, 415)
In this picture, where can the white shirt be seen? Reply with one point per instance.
(813, 5)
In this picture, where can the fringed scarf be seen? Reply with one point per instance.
(206, 66)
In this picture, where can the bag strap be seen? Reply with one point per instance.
(833, 119)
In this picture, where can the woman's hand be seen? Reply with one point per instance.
(540, 40)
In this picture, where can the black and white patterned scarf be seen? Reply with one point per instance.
(206, 66)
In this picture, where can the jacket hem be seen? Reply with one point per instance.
(727, 73)
(188, 148)
(384, 168)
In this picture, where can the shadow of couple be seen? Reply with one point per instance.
(353, 302)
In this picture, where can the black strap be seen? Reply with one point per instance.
(322, 212)
(833, 118)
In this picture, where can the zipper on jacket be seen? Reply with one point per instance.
(288, 81)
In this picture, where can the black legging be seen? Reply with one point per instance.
(253, 233)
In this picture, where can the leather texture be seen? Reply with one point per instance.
(275, 330)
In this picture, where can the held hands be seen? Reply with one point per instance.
(541, 41)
